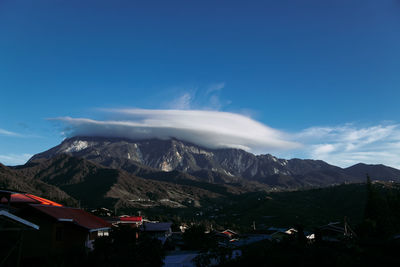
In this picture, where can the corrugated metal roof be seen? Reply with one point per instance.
(74, 215)
(156, 227)
(131, 218)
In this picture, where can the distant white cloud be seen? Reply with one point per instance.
(8, 133)
(14, 159)
(183, 102)
(348, 144)
(342, 145)
(20, 135)
(215, 87)
(199, 98)
(211, 129)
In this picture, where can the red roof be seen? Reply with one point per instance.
(74, 215)
(28, 198)
(131, 218)
(229, 233)
(44, 201)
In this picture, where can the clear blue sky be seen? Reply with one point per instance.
(292, 65)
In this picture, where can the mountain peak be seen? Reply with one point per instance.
(232, 164)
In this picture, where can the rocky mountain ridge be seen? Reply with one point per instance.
(96, 186)
(121, 173)
(214, 165)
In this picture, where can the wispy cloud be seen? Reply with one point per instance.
(199, 98)
(19, 135)
(9, 133)
(14, 159)
(211, 129)
(215, 87)
(183, 102)
(348, 144)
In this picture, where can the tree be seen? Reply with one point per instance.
(126, 246)
(195, 238)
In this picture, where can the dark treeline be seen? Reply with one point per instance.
(376, 241)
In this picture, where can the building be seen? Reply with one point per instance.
(12, 232)
(60, 228)
(159, 230)
(132, 221)
(10, 222)
(65, 227)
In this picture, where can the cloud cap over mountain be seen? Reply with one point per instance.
(212, 129)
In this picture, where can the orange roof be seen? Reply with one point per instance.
(44, 201)
(74, 215)
(29, 198)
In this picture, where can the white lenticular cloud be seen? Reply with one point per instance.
(343, 145)
(211, 129)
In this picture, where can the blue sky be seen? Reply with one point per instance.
(325, 74)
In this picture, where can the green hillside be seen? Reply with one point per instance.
(310, 208)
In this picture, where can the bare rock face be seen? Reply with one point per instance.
(212, 165)
(124, 173)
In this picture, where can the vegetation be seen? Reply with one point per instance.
(126, 247)
(195, 238)
(382, 212)
(311, 208)
(293, 253)
(376, 242)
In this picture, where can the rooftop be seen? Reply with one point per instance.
(156, 227)
(73, 215)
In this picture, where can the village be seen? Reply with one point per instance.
(39, 232)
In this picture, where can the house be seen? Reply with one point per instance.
(159, 230)
(12, 199)
(133, 221)
(226, 238)
(10, 222)
(12, 231)
(68, 227)
(226, 235)
(102, 212)
(60, 229)
(231, 234)
(335, 232)
(251, 238)
(282, 233)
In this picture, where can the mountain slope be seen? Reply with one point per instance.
(209, 165)
(376, 172)
(11, 179)
(96, 186)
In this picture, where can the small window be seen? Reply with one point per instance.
(102, 233)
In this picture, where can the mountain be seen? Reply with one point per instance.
(96, 186)
(10, 179)
(376, 172)
(217, 166)
(140, 174)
